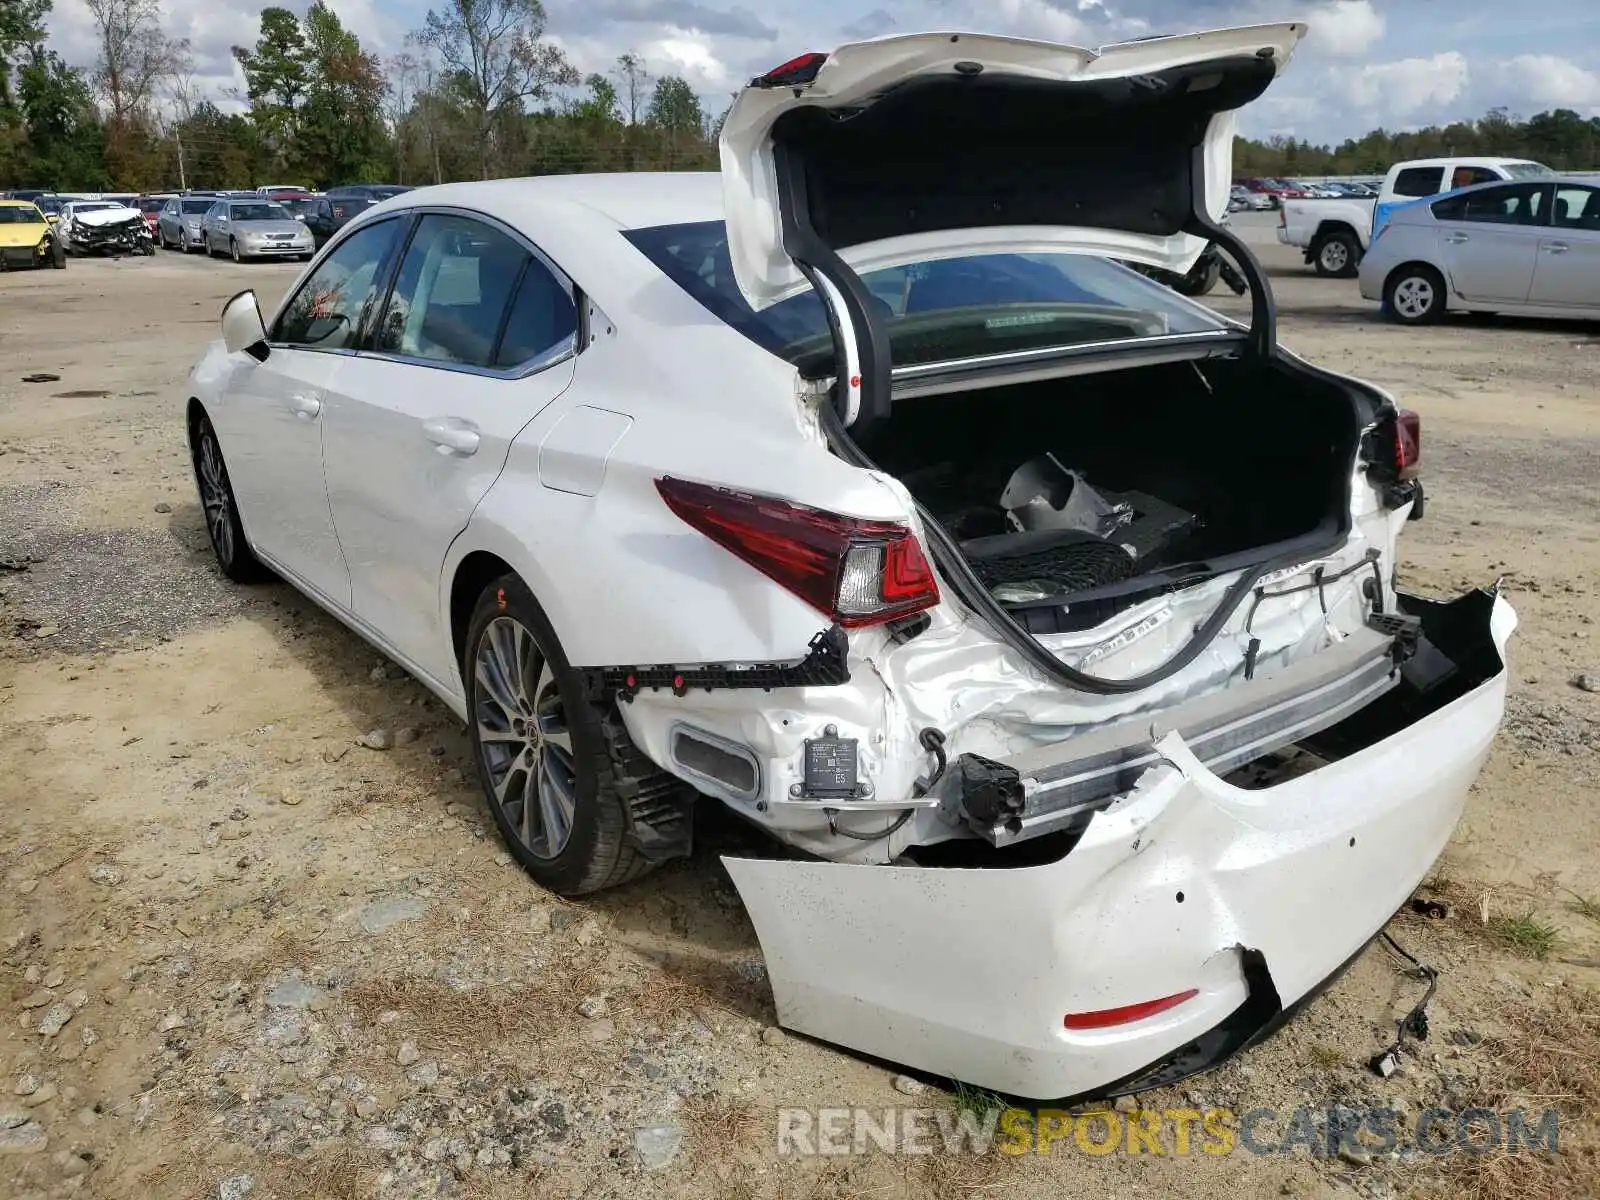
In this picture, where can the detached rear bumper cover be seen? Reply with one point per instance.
(1186, 882)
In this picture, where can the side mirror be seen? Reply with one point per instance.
(242, 327)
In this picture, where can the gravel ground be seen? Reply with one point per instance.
(246, 955)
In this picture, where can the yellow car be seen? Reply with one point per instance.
(26, 239)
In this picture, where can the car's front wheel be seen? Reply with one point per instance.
(1414, 295)
(545, 756)
(234, 556)
(233, 248)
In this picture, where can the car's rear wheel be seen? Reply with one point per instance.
(234, 556)
(1336, 255)
(545, 757)
(1414, 295)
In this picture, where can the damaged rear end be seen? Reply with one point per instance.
(1118, 739)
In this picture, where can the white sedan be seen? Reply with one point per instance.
(898, 518)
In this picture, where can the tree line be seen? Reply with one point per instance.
(477, 92)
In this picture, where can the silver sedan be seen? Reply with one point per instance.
(255, 229)
(1530, 247)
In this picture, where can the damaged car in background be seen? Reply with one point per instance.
(1045, 618)
(103, 227)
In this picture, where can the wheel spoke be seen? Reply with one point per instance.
(531, 787)
(556, 802)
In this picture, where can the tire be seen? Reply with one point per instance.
(570, 760)
(1336, 255)
(1414, 295)
(58, 257)
(1200, 284)
(233, 249)
(235, 559)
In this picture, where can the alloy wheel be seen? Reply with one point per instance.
(1413, 297)
(1335, 256)
(214, 496)
(525, 741)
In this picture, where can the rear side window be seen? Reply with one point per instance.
(1419, 181)
(543, 318)
(451, 292)
(1576, 208)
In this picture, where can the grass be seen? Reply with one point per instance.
(1328, 1057)
(1584, 906)
(1548, 1056)
(980, 1102)
(1526, 935)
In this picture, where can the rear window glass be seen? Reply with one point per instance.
(197, 206)
(1527, 170)
(267, 211)
(938, 310)
(1419, 181)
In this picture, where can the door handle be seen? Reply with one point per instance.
(305, 407)
(1556, 247)
(1455, 239)
(451, 435)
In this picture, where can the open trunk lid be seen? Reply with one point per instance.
(948, 144)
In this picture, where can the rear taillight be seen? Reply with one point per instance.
(1407, 444)
(857, 572)
(796, 72)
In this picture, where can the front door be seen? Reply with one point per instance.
(1489, 240)
(273, 438)
(1567, 271)
(477, 336)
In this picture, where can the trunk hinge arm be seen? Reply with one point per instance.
(1263, 310)
(863, 369)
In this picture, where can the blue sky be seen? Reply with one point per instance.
(1399, 63)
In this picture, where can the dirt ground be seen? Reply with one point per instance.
(244, 956)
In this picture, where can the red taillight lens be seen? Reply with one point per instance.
(858, 572)
(1407, 443)
(1104, 1018)
(800, 70)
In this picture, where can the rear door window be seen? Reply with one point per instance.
(1576, 207)
(451, 292)
(1419, 181)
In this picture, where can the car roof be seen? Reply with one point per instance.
(18, 204)
(1465, 160)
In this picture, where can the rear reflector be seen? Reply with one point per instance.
(858, 572)
(1104, 1018)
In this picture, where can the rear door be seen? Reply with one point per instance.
(478, 334)
(1490, 239)
(1567, 269)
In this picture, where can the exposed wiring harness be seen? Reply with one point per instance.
(932, 740)
(1415, 1022)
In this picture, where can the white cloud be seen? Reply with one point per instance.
(1345, 28)
(690, 55)
(1544, 81)
(1394, 91)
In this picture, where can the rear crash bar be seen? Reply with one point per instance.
(1225, 730)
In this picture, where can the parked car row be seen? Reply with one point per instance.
(274, 221)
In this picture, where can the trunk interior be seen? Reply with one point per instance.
(1092, 486)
